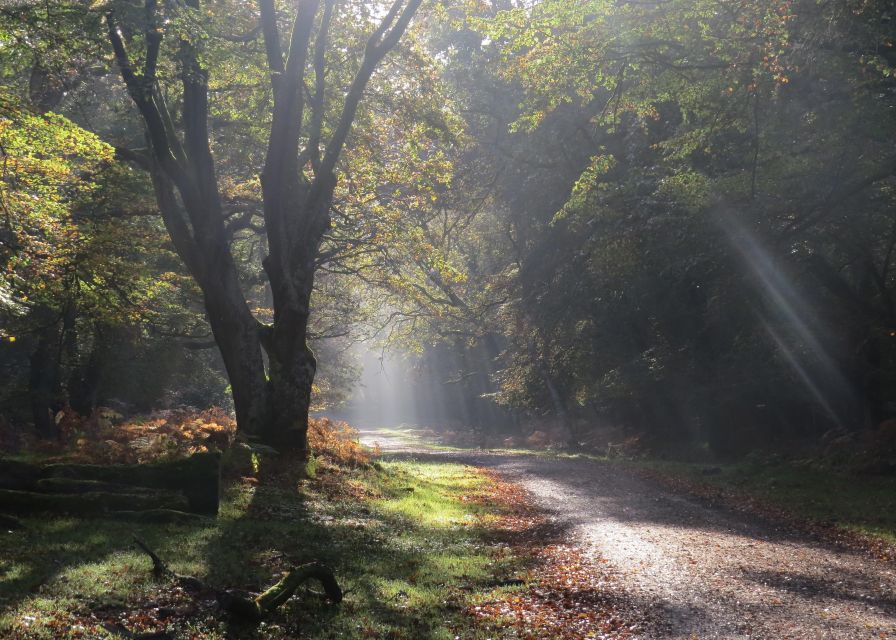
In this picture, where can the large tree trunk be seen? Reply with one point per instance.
(291, 363)
(296, 201)
(235, 329)
(292, 369)
(236, 333)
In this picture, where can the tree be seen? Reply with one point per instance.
(696, 204)
(298, 180)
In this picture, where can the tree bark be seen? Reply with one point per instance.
(292, 378)
(236, 333)
(43, 379)
(291, 362)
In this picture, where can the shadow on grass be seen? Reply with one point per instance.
(586, 489)
(410, 559)
(33, 556)
(403, 579)
(40, 558)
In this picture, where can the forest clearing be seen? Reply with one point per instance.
(487, 319)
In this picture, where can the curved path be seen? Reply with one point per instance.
(710, 573)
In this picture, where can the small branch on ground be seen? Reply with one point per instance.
(245, 605)
(161, 570)
(254, 609)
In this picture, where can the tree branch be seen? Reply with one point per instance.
(378, 45)
(318, 99)
(271, 36)
(180, 233)
(152, 117)
(281, 163)
(153, 43)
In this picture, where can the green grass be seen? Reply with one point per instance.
(861, 503)
(412, 550)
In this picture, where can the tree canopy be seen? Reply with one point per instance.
(656, 215)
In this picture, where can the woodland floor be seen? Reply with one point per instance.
(425, 550)
(691, 566)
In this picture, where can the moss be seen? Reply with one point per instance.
(198, 477)
(88, 503)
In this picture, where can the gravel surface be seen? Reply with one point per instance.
(708, 572)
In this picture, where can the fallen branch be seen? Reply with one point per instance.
(161, 570)
(255, 609)
(245, 605)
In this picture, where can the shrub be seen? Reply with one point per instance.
(337, 442)
(105, 437)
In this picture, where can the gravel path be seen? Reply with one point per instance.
(710, 572)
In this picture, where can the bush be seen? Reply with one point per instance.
(337, 442)
(105, 437)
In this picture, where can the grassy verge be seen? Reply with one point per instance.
(833, 499)
(862, 504)
(413, 543)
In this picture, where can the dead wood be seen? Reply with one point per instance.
(197, 477)
(159, 516)
(254, 609)
(245, 605)
(78, 485)
(15, 474)
(193, 484)
(90, 503)
(161, 570)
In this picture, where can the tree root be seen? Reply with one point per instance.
(245, 605)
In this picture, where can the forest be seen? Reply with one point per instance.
(334, 290)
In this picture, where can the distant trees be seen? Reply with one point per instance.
(85, 273)
(691, 223)
(675, 216)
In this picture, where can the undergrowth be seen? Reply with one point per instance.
(414, 544)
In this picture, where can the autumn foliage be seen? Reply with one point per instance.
(566, 595)
(107, 437)
(337, 442)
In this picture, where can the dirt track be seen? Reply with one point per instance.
(710, 572)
